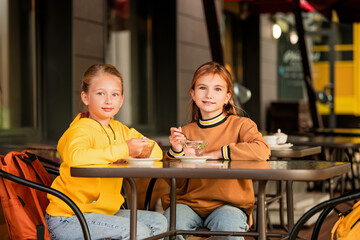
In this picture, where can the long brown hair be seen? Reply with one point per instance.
(213, 68)
(95, 70)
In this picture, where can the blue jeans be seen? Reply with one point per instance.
(101, 226)
(224, 218)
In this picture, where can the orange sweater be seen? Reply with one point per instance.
(239, 139)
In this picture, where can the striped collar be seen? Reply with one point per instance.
(215, 121)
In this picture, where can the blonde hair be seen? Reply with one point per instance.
(213, 68)
(95, 70)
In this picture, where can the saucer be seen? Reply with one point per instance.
(192, 158)
(281, 146)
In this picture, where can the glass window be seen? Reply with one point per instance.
(17, 65)
(290, 71)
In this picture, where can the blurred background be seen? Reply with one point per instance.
(45, 46)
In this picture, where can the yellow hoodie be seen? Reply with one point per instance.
(85, 142)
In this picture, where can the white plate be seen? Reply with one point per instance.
(193, 159)
(142, 161)
(281, 146)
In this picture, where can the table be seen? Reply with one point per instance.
(291, 153)
(263, 171)
(296, 152)
(350, 132)
(326, 141)
(337, 146)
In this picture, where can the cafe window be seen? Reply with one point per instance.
(318, 39)
(290, 70)
(18, 104)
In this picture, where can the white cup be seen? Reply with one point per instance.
(271, 140)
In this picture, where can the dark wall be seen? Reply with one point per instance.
(251, 60)
(55, 61)
(164, 48)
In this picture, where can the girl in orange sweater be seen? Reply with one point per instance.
(218, 204)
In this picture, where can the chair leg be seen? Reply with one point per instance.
(281, 204)
(149, 191)
(270, 226)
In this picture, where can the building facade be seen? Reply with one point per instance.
(47, 45)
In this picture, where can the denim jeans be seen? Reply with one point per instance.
(102, 226)
(224, 218)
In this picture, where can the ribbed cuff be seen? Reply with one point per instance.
(225, 152)
(174, 154)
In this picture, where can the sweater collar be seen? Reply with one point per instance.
(212, 122)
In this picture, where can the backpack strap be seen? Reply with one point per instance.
(40, 231)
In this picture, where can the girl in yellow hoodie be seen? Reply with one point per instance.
(94, 137)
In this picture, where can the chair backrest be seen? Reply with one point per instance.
(24, 207)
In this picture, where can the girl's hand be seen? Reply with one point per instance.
(136, 146)
(175, 138)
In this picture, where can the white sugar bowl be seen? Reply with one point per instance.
(281, 137)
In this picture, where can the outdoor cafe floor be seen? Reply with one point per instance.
(304, 233)
(325, 232)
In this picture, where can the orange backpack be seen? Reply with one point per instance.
(24, 207)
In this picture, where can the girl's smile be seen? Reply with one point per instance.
(108, 109)
(210, 94)
(208, 103)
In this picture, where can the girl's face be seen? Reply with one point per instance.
(104, 98)
(210, 94)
